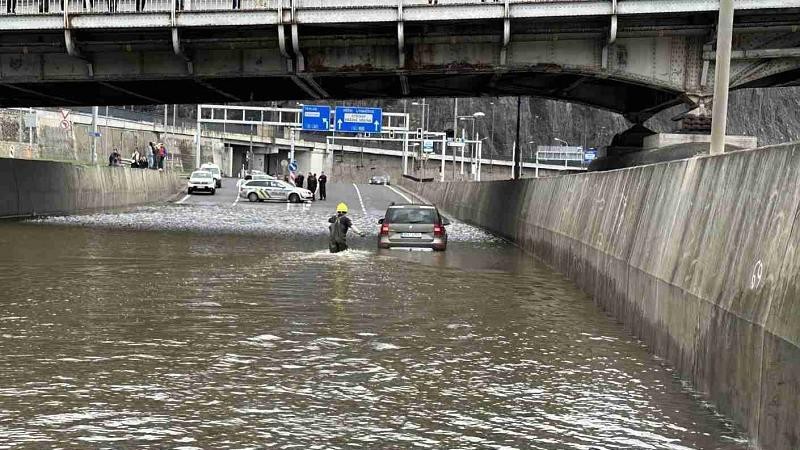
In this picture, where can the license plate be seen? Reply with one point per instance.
(411, 235)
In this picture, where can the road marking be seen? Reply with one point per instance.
(360, 199)
(183, 199)
(408, 199)
(237, 199)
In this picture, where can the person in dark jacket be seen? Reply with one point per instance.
(298, 180)
(322, 180)
(340, 224)
(311, 182)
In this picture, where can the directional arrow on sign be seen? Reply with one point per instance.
(325, 121)
(340, 124)
(376, 123)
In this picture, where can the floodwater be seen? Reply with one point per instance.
(134, 330)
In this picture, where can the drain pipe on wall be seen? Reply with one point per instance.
(722, 78)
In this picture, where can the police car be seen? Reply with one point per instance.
(273, 190)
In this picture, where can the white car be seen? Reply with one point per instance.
(262, 190)
(262, 176)
(215, 171)
(201, 180)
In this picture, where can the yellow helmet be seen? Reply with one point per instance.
(341, 208)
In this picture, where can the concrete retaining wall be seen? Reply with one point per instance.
(700, 258)
(29, 187)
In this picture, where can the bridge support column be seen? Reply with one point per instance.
(719, 115)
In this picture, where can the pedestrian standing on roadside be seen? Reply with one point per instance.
(151, 152)
(322, 180)
(298, 180)
(312, 184)
(162, 155)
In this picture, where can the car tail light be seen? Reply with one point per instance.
(438, 230)
(384, 230)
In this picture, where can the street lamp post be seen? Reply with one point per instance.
(472, 117)
(566, 144)
(422, 119)
(491, 139)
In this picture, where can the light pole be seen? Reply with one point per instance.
(422, 119)
(536, 161)
(491, 139)
(472, 117)
(566, 144)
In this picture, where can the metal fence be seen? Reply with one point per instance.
(566, 154)
(37, 7)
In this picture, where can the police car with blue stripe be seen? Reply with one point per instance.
(273, 190)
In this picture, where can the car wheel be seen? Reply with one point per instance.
(253, 197)
(190, 190)
(294, 198)
(213, 191)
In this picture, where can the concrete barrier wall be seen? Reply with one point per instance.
(700, 258)
(29, 188)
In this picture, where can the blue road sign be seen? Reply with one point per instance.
(358, 120)
(590, 155)
(315, 118)
(293, 166)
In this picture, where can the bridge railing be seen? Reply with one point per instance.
(54, 7)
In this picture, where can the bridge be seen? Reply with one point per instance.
(635, 57)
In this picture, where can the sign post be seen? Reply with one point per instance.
(291, 148)
(358, 120)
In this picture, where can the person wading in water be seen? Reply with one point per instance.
(340, 224)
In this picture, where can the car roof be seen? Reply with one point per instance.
(412, 205)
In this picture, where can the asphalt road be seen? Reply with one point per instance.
(360, 198)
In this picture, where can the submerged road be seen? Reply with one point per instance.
(212, 323)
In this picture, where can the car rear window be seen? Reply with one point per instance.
(411, 215)
(200, 175)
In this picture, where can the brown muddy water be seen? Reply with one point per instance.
(113, 337)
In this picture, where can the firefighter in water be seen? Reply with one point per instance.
(340, 224)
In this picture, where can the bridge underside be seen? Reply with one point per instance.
(604, 93)
(190, 57)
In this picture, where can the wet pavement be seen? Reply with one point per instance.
(226, 325)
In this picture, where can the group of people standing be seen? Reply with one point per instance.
(156, 154)
(313, 182)
(154, 157)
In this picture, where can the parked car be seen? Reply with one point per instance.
(275, 190)
(201, 180)
(215, 171)
(413, 226)
(379, 179)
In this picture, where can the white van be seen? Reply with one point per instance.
(215, 171)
